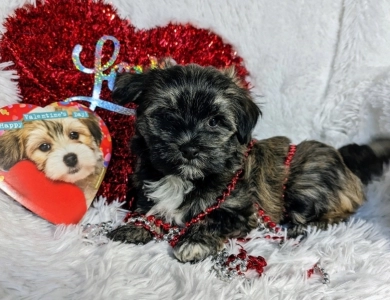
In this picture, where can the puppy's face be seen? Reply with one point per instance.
(192, 119)
(64, 149)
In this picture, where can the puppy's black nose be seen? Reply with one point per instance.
(189, 152)
(70, 159)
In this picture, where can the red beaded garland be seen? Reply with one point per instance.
(231, 186)
(256, 263)
(291, 152)
(317, 267)
(166, 226)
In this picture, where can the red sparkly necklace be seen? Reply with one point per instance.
(226, 266)
(151, 223)
(229, 264)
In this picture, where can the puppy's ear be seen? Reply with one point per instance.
(128, 87)
(92, 123)
(11, 149)
(166, 62)
(247, 111)
(247, 115)
(231, 73)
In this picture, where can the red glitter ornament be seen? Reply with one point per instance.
(39, 40)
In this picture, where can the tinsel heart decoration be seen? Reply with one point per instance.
(40, 39)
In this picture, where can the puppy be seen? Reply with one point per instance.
(65, 149)
(192, 130)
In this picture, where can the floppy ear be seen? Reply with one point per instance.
(166, 62)
(128, 87)
(11, 149)
(92, 123)
(247, 111)
(247, 115)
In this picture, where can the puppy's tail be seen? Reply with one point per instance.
(367, 161)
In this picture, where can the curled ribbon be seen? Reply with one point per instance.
(100, 77)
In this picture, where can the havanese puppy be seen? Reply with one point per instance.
(193, 127)
(65, 149)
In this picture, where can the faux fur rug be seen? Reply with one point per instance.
(320, 69)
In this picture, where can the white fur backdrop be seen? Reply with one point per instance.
(320, 69)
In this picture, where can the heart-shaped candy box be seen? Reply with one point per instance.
(53, 159)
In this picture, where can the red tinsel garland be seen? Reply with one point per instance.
(40, 39)
(231, 264)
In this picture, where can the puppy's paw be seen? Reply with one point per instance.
(130, 233)
(296, 231)
(189, 250)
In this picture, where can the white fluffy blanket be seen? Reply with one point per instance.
(320, 70)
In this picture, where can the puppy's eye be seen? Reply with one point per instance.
(74, 135)
(44, 147)
(213, 122)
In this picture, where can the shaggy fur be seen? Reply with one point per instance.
(65, 149)
(192, 130)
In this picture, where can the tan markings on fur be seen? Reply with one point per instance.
(231, 73)
(166, 62)
(266, 162)
(249, 165)
(191, 172)
(224, 106)
(253, 220)
(11, 147)
(350, 198)
(265, 167)
(169, 94)
(188, 251)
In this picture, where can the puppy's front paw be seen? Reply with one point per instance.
(130, 233)
(296, 231)
(189, 250)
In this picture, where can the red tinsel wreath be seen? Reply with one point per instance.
(39, 40)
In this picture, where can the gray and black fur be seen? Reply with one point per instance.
(192, 130)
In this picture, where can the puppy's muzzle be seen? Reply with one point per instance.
(70, 160)
(189, 152)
